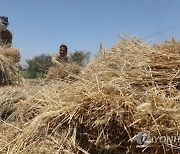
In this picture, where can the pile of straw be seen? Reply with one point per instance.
(113, 99)
(165, 63)
(63, 70)
(11, 53)
(9, 62)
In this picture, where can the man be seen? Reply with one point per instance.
(61, 56)
(5, 35)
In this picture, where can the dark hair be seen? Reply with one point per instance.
(64, 46)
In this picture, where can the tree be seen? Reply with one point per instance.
(80, 57)
(38, 66)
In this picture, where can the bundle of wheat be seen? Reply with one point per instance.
(8, 73)
(113, 99)
(9, 59)
(63, 70)
(11, 53)
(165, 62)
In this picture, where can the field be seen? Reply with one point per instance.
(131, 88)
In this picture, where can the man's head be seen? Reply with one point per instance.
(4, 20)
(63, 50)
(3, 23)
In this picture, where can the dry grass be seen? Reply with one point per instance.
(9, 59)
(11, 53)
(63, 71)
(119, 94)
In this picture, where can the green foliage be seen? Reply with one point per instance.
(37, 66)
(25, 74)
(80, 57)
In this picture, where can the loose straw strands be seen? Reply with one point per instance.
(127, 89)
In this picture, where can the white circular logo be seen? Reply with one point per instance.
(143, 139)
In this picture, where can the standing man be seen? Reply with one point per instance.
(61, 56)
(5, 35)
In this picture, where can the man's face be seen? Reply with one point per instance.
(62, 52)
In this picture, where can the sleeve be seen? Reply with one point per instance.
(54, 59)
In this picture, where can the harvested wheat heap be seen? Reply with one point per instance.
(65, 70)
(9, 61)
(114, 98)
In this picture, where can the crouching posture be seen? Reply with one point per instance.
(5, 35)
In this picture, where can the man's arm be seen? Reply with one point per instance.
(54, 59)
